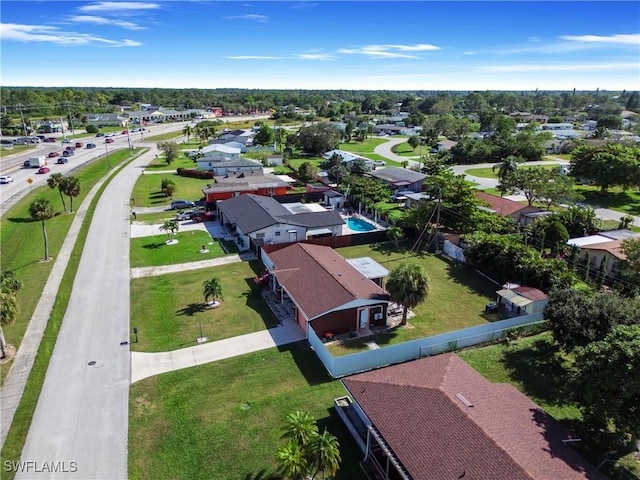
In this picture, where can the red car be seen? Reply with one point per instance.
(44, 170)
(53, 154)
(50, 140)
(108, 140)
(124, 132)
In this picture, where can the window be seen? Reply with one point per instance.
(277, 233)
(259, 235)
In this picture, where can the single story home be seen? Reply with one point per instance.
(438, 418)
(262, 221)
(238, 184)
(220, 152)
(348, 158)
(504, 207)
(390, 129)
(222, 167)
(605, 247)
(326, 292)
(521, 300)
(399, 178)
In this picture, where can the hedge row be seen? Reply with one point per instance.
(201, 174)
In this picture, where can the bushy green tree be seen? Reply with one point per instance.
(408, 285)
(318, 138)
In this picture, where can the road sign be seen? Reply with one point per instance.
(29, 180)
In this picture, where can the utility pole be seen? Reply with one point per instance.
(24, 126)
(73, 132)
(106, 147)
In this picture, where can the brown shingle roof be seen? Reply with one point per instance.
(530, 293)
(504, 435)
(614, 247)
(502, 206)
(319, 279)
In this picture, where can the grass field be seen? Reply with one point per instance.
(153, 251)
(163, 137)
(457, 296)
(538, 368)
(14, 150)
(615, 199)
(155, 218)
(23, 244)
(161, 164)
(296, 162)
(489, 173)
(406, 150)
(367, 146)
(146, 192)
(223, 420)
(168, 309)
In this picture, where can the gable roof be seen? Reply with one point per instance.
(396, 174)
(614, 247)
(419, 408)
(229, 162)
(522, 296)
(216, 147)
(305, 270)
(500, 205)
(313, 219)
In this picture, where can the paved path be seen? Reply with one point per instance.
(384, 150)
(14, 384)
(144, 365)
(82, 412)
(139, 229)
(182, 267)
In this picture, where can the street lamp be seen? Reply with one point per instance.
(106, 147)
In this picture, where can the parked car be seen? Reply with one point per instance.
(108, 140)
(53, 154)
(178, 204)
(91, 145)
(186, 215)
(6, 179)
(379, 163)
(44, 170)
(62, 160)
(399, 196)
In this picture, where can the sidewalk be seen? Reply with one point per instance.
(144, 365)
(182, 267)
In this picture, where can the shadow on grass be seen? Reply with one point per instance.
(31, 220)
(193, 308)
(625, 201)
(261, 475)
(154, 246)
(308, 362)
(381, 339)
(258, 304)
(349, 450)
(467, 276)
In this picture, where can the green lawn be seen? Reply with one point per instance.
(489, 173)
(367, 146)
(154, 218)
(169, 309)
(375, 156)
(223, 420)
(16, 149)
(163, 137)
(153, 251)
(406, 150)
(538, 368)
(615, 199)
(457, 296)
(146, 192)
(296, 162)
(23, 244)
(161, 164)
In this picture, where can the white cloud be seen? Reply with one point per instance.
(557, 67)
(253, 57)
(105, 21)
(388, 51)
(250, 16)
(315, 56)
(621, 39)
(110, 7)
(47, 34)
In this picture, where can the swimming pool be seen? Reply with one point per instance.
(360, 225)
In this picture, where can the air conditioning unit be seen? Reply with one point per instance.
(377, 316)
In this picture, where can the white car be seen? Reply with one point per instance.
(6, 179)
(379, 163)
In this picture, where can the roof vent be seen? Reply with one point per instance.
(464, 400)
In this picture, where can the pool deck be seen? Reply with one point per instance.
(348, 231)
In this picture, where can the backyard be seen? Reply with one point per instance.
(223, 420)
(169, 309)
(457, 297)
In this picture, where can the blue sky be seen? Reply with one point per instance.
(389, 45)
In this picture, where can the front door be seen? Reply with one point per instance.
(364, 319)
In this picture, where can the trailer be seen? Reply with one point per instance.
(37, 162)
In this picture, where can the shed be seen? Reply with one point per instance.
(522, 300)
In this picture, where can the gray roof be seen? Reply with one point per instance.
(230, 162)
(332, 193)
(620, 234)
(396, 174)
(244, 182)
(254, 212)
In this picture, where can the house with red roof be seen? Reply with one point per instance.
(504, 207)
(326, 292)
(519, 300)
(437, 418)
(232, 185)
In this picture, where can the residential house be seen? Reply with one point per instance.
(325, 292)
(263, 221)
(437, 418)
(605, 247)
(233, 185)
(506, 208)
(389, 129)
(348, 158)
(224, 160)
(517, 300)
(399, 179)
(50, 126)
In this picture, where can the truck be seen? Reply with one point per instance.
(36, 162)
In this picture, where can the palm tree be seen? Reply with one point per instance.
(71, 187)
(9, 288)
(187, 131)
(325, 454)
(55, 180)
(408, 285)
(42, 210)
(508, 166)
(293, 461)
(212, 289)
(171, 227)
(300, 427)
